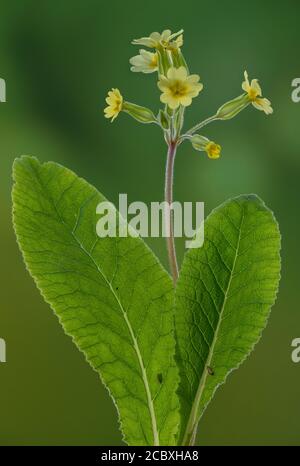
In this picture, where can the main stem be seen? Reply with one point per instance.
(169, 224)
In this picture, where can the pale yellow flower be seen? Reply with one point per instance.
(115, 104)
(145, 62)
(255, 95)
(155, 40)
(213, 150)
(178, 88)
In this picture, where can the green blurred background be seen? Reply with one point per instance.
(58, 60)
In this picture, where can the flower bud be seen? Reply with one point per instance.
(164, 61)
(141, 114)
(233, 107)
(163, 120)
(179, 119)
(178, 59)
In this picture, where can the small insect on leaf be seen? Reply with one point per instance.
(210, 370)
(160, 378)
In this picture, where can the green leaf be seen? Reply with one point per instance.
(223, 298)
(111, 295)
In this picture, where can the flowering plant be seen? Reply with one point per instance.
(161, 347)
(178, 89)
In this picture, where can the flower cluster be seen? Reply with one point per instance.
(178, 88)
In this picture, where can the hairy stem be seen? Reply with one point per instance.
(169, 226)
(201, 125)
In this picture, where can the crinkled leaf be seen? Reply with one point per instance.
(223, 298)
(111, 295)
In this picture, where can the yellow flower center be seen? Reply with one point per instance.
(252, 94)
(178, 89)
(117, 105)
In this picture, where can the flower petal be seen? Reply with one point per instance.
(263, 105)
(165, 35)
(146, 55)
(172, 73)
(186, 100)
(108, 111)
(256, 86)
(163, 83)
(173, 103)
(193, 78)
(182, 73)
(137, 60)
(246, 85)
(195, 90)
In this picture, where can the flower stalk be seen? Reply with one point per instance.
(198, 126)
(169, 221)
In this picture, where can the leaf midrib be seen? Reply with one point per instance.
(129, 326)
(191, 429)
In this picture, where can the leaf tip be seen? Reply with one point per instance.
(22, 162)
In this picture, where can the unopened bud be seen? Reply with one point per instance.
(164, 61)
(179, 119)
(163, 120)
(141, 114)
(178, 59)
